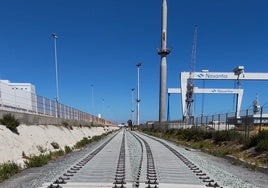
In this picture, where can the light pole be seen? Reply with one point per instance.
(138, 95)
(102, 108)
(92, 96)
(132, 109)
(55, 36)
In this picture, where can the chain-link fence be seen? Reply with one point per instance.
(18, 100)
(229, 120)
(246, 121)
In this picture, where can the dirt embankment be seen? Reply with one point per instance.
(33, 140)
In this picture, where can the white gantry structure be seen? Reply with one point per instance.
(237, 74)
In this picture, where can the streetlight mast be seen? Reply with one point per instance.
(138, 97)
(55, 36)
(92, 96)
(132, 109)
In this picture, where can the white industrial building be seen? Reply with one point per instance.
(19, 96)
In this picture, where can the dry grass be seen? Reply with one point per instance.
(234, 147)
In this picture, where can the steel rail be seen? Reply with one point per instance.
(201, 175)
(78, 166)
(151, 170)
(121, 169)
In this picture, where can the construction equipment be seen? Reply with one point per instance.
(131, 125)
(190, 82)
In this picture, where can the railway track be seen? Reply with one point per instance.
(132, 159)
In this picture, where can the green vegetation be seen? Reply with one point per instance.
(222, 136)
(10, 122)
(66, 125)
(82, 143)
(56, 154)
(197, 135)
(42, 159)
(7, 170)
(55, 145)
(262, 146)
(41, 149)
(220, 143)
(259, 141)
(67, 149)
(37, 161)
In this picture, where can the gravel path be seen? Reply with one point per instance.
(246, 175)
(224, 171)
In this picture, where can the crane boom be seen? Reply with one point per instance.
(190, 82)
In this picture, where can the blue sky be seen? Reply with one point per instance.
(101, 41)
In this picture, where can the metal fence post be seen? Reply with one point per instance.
(212, 121)
(219, 121)
(226, 122)
(43, 101)
(246, 124)
(261, 119)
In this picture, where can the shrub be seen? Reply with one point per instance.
(221, 136)
(82, 143)
(65, 124)
(37, 161)
(56, 154)
(41, 149)
(262, 146)
(7, 170)
(10, 122)
(97, 137)
(67, 149)
(254, 140)
(23, 155)
(55, 145)
(192, 134)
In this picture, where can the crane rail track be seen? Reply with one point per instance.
(154, 164)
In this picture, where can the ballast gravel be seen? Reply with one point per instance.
(220, 169)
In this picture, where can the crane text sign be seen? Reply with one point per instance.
(211, 76)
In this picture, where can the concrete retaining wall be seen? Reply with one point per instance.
(34, 119)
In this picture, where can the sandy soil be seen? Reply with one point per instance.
(32, 139)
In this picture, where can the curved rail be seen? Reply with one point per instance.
(121, 170)
(151, 171)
